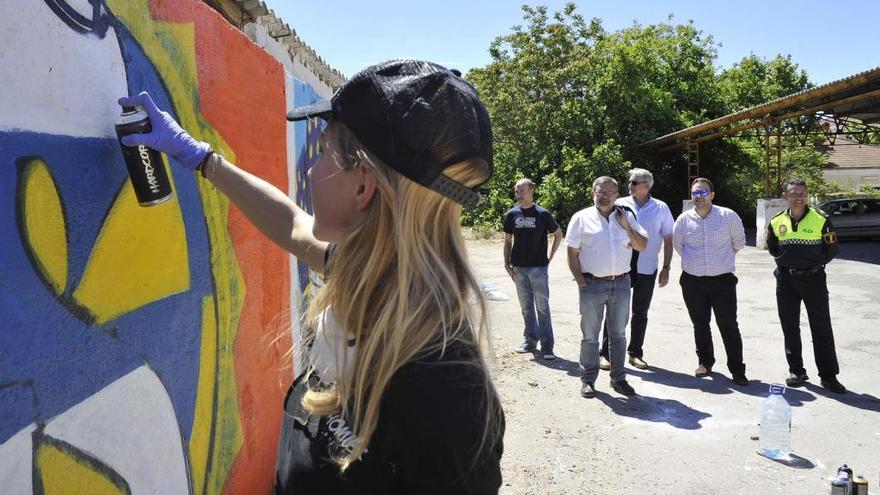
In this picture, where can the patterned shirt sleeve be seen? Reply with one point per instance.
(737, 232)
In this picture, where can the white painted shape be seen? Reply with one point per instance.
(16, 463)
(766, 210)
(130, 426)
(55, 80)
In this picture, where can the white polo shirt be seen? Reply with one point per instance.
(657, 220)
(604, 245)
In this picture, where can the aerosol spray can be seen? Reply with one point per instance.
(145, 165)
(843, 484)
(860, 486)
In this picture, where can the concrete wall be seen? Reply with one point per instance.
(766, 210)
(857, 179)
(142, 350)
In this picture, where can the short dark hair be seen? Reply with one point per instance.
(794, 181)
(705, 181)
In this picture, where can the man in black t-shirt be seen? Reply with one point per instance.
(526, 227)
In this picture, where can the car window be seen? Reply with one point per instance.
(830, 208)
(871, 206)
(848, 207)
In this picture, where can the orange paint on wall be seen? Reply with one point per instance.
(241, 92)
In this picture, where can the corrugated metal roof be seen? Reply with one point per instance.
(297, 48)
(825, 96)
(846, 153)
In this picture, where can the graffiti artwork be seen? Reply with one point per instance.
(137, 346)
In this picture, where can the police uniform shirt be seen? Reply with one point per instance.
(802, 245)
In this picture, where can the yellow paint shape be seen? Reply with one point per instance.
(140, 256)
(200, 439)
(45, 229)
(171, 49)
(62, 474)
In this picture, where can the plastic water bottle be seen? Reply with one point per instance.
(775, 424)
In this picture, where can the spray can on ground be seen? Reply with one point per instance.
(146, 168)
(843, 484)
(860, 486)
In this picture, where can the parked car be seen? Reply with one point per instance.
(854, 217)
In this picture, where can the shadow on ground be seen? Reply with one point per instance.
(861, 401)
(793, 461)
(571, 368)
(655, 410)
(716, 383)
(864, 251)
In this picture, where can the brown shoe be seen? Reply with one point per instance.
(638, 362)
(604, 363)
(702, 371)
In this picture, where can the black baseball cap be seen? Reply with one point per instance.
(418, 117)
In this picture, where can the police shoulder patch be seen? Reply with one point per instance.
(830, 237)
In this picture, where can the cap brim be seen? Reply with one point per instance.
(322, 109)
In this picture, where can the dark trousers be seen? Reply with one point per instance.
(702, 296)
(813, 291)
(642, 292)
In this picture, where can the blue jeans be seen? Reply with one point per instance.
(608, 299)
(534, 300)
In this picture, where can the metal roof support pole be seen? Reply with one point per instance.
(693, 156)
(767, 161)
(779, 158)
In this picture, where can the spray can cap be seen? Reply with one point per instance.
(128, 109)
(777, 389)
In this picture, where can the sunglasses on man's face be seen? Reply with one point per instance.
(635, 182)
(700, 192)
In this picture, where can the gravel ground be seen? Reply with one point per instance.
(683, 434)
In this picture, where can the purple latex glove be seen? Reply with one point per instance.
(167, 136)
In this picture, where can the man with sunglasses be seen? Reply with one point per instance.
(655, 217)
(707, 237)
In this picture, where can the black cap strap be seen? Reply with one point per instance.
(452, 189)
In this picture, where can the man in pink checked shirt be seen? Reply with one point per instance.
(707, 238)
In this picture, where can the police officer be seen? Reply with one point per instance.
(802, 240)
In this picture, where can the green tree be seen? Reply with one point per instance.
(755, 80)
(570, 102)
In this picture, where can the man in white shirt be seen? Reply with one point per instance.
(655, 217)
(600, 241)
(707, 237)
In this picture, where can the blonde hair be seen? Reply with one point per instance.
(401, 286)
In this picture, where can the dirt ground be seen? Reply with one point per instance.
(683, 434)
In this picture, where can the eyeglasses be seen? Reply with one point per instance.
(635, 182)
(600, 192)
(700, 192)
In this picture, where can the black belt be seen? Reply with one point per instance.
(803, 273)
(609, 278)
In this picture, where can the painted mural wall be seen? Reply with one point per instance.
(142, 350)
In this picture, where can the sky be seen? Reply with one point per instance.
(829, 39)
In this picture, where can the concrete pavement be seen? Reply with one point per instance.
(683, 434)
